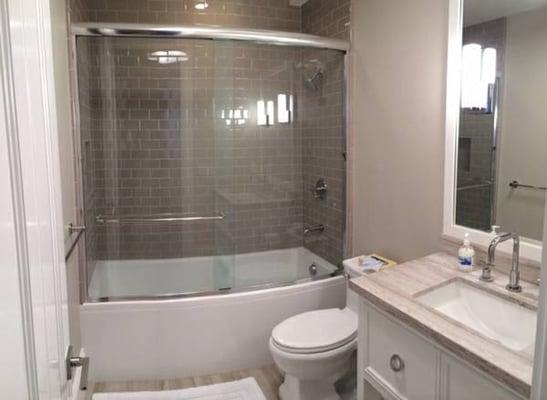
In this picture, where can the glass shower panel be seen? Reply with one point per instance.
(265, 198)
(149, 141)
(223, 120)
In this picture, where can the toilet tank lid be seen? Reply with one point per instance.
(352, 268)
(320, 329)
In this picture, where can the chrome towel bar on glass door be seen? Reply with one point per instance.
(71, 230)
(516, 185)
(156, 218)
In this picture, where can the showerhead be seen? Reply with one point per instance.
(312, 73)
(314, 82)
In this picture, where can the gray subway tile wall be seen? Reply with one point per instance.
(154, 140)
(330, 18)
(324, 145)
(323, 131)
(258, 14)
(160, 146)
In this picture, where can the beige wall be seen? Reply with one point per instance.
(523, 125)
(66, 153)
(397, 123)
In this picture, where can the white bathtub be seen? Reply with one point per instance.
(120, 279)
(167, 338)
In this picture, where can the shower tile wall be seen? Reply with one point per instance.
(474, 198)
(264, 190)
(78, 10)
(330, 18)
(323, 131)
(256, 175)
(160, 146)
(259, 14)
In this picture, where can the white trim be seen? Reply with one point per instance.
(539, 381)
(529, 249)
(37, 177)
(19, 219)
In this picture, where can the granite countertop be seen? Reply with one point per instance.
(394, 291)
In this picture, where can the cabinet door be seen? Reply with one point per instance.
(462, 382)
(376, 388)
(371, 393)
(402, 362)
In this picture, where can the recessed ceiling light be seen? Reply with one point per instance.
(201, 5)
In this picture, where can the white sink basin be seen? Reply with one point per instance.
(508, 323)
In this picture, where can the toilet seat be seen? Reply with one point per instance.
(316, 331)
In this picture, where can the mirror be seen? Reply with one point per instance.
(502, 135)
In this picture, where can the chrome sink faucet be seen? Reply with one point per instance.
(514, 275)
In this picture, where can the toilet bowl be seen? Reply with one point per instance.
(314, 350)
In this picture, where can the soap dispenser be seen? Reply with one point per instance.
(466, 254)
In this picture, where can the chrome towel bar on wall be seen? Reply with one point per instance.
(101, 219)
(517, 185)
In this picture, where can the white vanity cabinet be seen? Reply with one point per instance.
(461, 382)
(396, 363)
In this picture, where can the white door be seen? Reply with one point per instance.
(13, 376)
(32, 271)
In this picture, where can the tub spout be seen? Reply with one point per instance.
(314, 228)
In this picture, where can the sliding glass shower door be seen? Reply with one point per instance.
(200, 164)
(151, 152)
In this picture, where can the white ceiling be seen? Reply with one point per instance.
(477, 11)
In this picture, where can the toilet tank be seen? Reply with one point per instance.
(352, 270)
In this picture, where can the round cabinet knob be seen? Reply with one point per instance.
(396, 363)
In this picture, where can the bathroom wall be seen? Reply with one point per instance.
(259, 14)
(397, 126)
(323, 126)
(265, 187)
(523, 122)
(78, 10)
(330, 18)
(159, 145)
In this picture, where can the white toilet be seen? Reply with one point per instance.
(315, 349)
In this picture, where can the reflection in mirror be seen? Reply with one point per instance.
(502, 135)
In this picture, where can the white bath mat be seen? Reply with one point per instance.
(244, 389)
